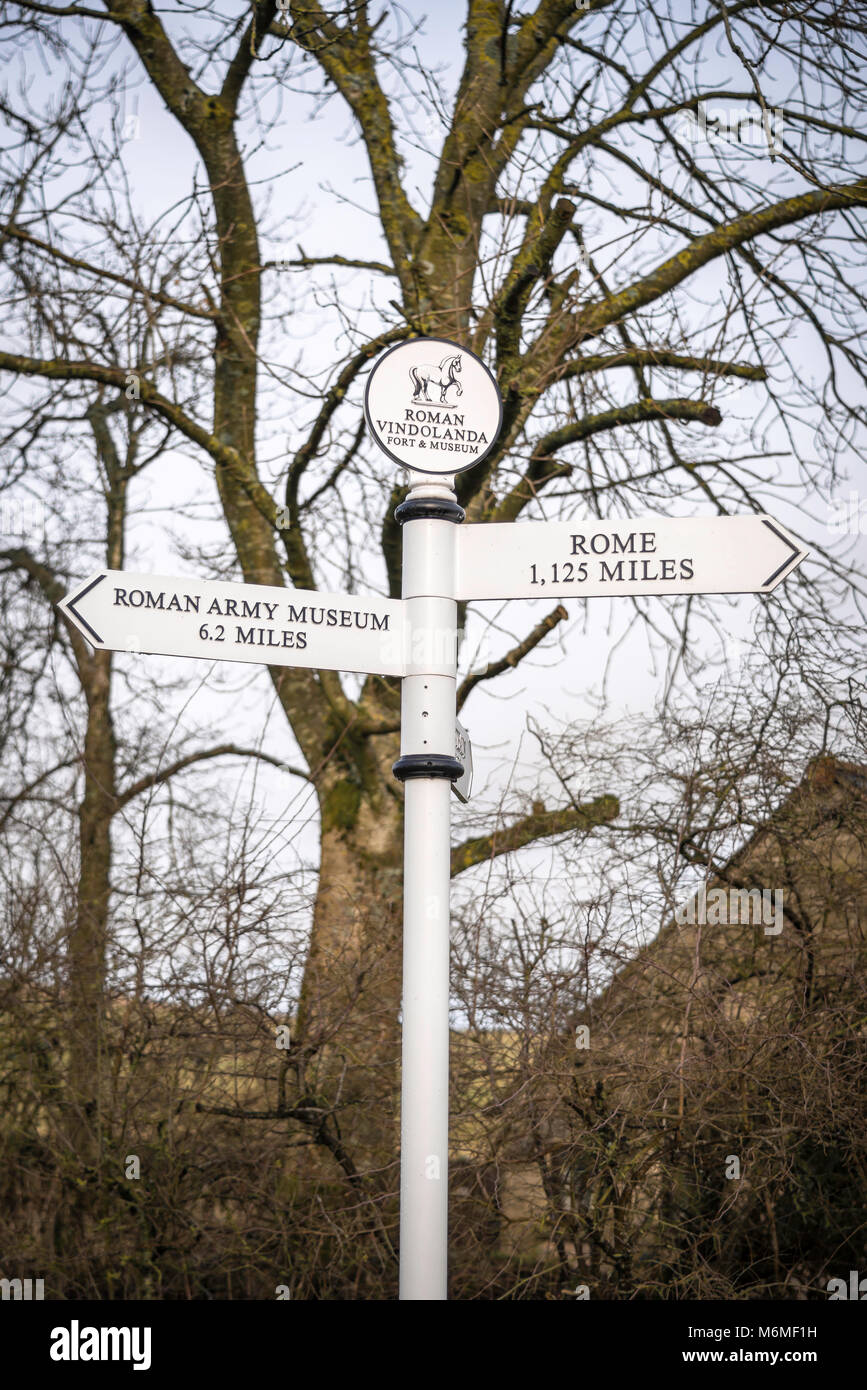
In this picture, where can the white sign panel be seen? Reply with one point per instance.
(240, 622)
(433, 406)
(464, 754)
(651, 555)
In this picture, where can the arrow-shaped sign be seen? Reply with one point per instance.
(240, 622)
(341, 632)
(650, 555)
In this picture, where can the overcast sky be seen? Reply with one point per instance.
(316, 175)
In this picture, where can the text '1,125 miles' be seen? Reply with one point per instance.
(651, 555)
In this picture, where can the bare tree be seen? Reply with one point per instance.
(85, 514)
(624, 282)
(665, 1101)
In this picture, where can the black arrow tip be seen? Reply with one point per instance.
(793, 549)
(71, 608)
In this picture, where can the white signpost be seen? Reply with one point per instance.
(240, 622)
(435, 409)
(647, 555)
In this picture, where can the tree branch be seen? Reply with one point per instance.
(26, 791)
(543, 234)
(309, 262)
(537, 826)
(543, 468)
(190, 106)
(223, 750)
(346, 57)
(661, 357)
(263, 16)
(512, 658)
(61, 11)
(299, 561)
(222, 454)
(54, 590)
(599, 313)
(19, 234)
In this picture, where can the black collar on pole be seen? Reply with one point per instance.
(429, 509)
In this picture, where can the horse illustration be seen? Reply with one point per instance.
(443, 376)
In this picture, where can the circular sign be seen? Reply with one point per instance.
(433, 406)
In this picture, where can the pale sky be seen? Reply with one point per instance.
(566, 678)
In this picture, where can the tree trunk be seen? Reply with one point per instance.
(348, 1031)
(88, 937)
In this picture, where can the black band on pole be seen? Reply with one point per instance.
(429, 509)
(427, 765)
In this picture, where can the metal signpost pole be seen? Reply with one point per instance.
(434, 409)
(427, 766)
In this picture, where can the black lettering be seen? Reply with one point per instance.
(624, 546)
(345, 618)
(610, 571)
(231, 609)
(297, 615)
(289, 638)
(191, 603)
(242, 636)
(120, 598)
(133, 595)
(215, 607)
(358, 623)
(152, 601)
(648, 536)
(668, 571)
(301, 643)
(379, 624)
(604, 542)
(332, 617)
(686, 571)
(578, 545)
